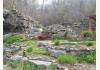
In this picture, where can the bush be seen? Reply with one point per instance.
(14, 38)
(67, 58)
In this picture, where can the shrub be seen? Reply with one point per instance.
(67, 58)
(14, 38)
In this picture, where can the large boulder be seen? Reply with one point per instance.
(15, 22)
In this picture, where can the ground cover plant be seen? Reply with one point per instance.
(14, 38)
(82, 58)
(56, 42)
(26, 65)
(87, 58)
(88, 43)
(87, 35)
(13, 63)
(36, 50)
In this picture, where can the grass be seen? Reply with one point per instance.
(13, 64)
(25, 65)
(87, 58)
(86, 35)
(53, 67)
(88, 43)
(58, 36)
(36, 50)
(82, 58)
(19, 39)
(56, 42)
(14, 38)
(67, 58)
(27, 42)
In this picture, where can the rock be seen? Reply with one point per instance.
(62, 67)
(56, 28)
(41, 58)
(55, 52)
(9, 51)
(5, 59)
(7, 35)
(45, 44)
(38, 62)
(14, 21)
(35, 60)
(16, 57)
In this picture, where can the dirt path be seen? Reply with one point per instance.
(82, 67)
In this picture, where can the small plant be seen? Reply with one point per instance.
(52, 67)
(88, 35)
(29, 50)
(56, 42)
(89, 44)
(66, 34)
(24, 52)
(67, 58)
(58, 36)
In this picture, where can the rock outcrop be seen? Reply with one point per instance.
(56, 28)
(15, 22)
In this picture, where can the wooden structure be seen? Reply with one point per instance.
(91, 23)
